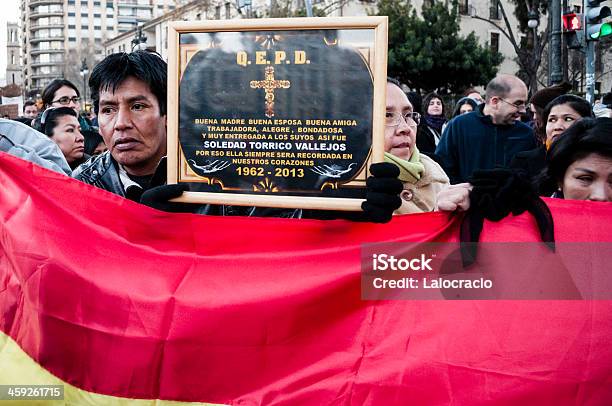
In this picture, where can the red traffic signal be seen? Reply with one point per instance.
(572, 22)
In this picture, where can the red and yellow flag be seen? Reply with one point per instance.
(122, 303)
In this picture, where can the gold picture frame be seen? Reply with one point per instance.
(203, 56)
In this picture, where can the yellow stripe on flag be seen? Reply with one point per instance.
(18, 368)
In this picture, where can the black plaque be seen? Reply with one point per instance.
(279, 112)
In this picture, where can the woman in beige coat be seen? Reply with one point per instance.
(423, 178)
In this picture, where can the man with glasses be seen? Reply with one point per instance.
(491, 135)
(421, 176)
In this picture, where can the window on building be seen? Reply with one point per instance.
(494, 13)
(464, 7)
(228, 11)
(494, 42)
(72, 14)
(144, 13)
(218, 12)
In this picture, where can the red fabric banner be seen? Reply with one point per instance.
(120, 299)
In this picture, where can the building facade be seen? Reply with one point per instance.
(156, 30)
(13, 56)
(60, 38)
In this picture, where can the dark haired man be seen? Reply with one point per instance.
(30, 110)
(129, 95)
(491, 135)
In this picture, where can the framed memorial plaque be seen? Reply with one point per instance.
(276, 112)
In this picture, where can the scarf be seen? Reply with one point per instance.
(411, 169)
(435, 122)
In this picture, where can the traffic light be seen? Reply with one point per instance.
(593, 21)
(572, 22)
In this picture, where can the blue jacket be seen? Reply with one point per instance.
(26, 143)
(471, 142)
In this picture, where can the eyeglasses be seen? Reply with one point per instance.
(518, 104)
(393, 118)
(64, 101)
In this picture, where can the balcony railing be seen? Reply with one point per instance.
(34, 3)
(48, 13)
(46, 75)
(38, 51)
(40, 26)
(49, 63)
(35, 40)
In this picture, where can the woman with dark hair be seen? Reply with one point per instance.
(464, 105)
(580, 162)
(559, 115)
(538, 102)
(63, 93)
(62, 126)
(433, 120)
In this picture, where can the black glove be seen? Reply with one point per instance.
(382, 193)
(496, 194)
(382, 198)
(159, 196)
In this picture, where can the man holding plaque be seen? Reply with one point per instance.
(129, 94)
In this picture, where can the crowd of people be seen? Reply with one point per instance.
(431, 150)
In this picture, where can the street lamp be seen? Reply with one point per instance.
(140, 40)
(84, 72)
(533, 19)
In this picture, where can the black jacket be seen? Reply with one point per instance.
(532, 163)
(472, 142)
(102, 171)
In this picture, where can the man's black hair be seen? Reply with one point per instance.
(48, 94)
(145, 66)
(28, 103)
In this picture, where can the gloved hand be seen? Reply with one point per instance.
(496, 193)
(159, 196)
(382, 193)
(382, 198)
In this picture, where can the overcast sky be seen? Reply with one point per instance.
(10, 13)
